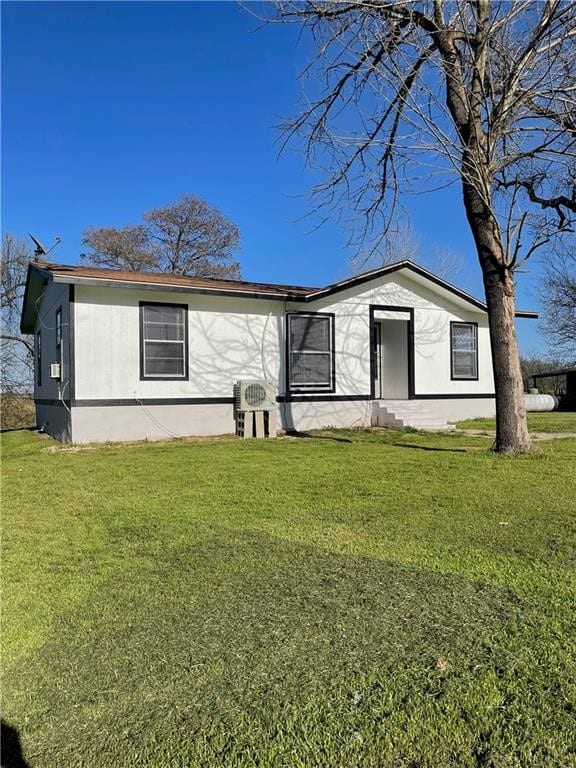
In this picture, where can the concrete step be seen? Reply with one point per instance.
(389, 421)
(400, 414)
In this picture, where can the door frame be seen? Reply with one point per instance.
(376, 338)
(375, 356)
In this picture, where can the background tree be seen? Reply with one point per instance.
(559, 301)
(534, 364)
(185, 238)
(403, 243)
(423, 93)
(16, 350)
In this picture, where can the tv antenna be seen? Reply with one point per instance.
(40, 250)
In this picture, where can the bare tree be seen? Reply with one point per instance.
(16, 350)
(403, 243)
(127, 248)
(185, 238)
(556, 385)
(559, 300)
(481, 93)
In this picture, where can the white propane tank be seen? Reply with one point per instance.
(540, 403)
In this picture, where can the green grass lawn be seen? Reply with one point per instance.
(554, 421)
(351, 599)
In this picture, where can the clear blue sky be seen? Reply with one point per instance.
(110, 109)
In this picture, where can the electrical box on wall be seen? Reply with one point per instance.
(55, 370)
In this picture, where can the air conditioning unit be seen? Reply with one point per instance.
(54, 370)
(255, 395)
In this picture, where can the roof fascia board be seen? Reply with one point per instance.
(108, 283)
(46, 276)
(25, 299)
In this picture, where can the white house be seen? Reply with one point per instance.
(150, 355)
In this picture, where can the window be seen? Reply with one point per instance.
(311, 351)
(59, 333)
(163, 341)
(39, 359)
(464, 350)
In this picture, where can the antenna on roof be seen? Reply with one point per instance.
(40, 250)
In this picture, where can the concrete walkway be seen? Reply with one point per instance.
(534, 435)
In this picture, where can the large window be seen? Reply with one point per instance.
(464, 350)
(311, 351)
(163, 341)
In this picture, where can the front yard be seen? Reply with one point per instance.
(347, 599)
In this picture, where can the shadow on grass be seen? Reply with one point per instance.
(11, 756)
(431, 448)
(310, 436)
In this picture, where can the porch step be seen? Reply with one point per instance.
(407, 413)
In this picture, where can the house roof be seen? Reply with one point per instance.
(63, 273)
(559, 372)
(42, 272)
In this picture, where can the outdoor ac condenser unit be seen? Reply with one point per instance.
(255, 395)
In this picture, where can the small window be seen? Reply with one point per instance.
(464, 350)
(59, 332)
(311, 351)
(39, 359)
(163, 341)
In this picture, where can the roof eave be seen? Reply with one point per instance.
(36, 279)
(170, 287)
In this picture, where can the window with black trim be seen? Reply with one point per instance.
(464, 350)
(59, 333)
(310, 346)
(163, 341)
(39, 359)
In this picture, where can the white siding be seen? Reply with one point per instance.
(432, 316)
(229, 339)
(232, 338)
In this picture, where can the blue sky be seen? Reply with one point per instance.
(111, 109)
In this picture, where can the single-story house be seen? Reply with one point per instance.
(132, 355)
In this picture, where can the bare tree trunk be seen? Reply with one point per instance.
(511, 427)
